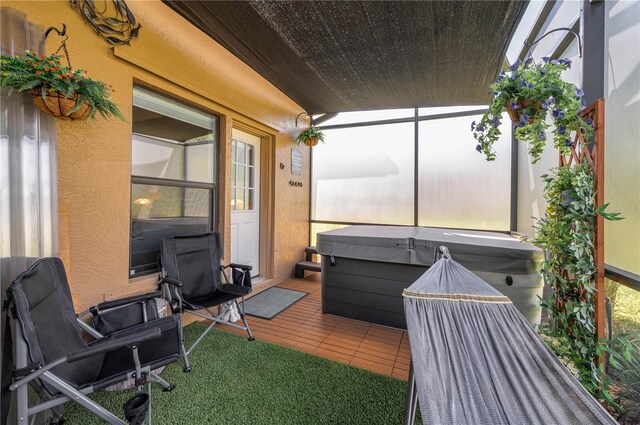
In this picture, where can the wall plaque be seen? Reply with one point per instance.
(296, 162)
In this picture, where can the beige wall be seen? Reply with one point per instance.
(94, 158)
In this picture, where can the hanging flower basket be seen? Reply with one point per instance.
(61, 107)
(533, 95)
(311, 141)
(58, 90)
(515, 114)
(310, 137)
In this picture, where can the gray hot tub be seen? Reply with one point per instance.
(365, 268)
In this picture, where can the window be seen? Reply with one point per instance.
(364, 175)
(458, 187)
(173, 169)
(242, 176)
(420, 169)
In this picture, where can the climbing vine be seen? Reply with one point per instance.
(567, 234)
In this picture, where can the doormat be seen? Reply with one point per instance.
(273, 301)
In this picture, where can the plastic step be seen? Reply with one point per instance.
(306, 265)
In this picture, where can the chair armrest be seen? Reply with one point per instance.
(114, 344)
(169, 281)
(238, 266)
(91, 351)
(239, 274)
(124, 301)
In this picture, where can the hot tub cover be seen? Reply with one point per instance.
(477, 250)
(478, 361)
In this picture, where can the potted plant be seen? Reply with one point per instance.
(530, 93)
(310, 137)
(58, 90)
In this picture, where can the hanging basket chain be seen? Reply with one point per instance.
(63, 47)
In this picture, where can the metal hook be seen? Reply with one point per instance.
(575, 34)
(46, 34)
(307, 114)
(444, 251)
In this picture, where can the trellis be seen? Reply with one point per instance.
(592, 151)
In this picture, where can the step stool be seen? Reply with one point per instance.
(308, 263)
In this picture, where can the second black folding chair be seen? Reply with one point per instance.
(195, 282)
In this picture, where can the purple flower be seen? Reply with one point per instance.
(479, 128)
(562, 129)
(531, 85)
(565, 61)
(520, 124)
(514, 105)
(541, 135)
(568, 142)
(524, 118)
(579, 92)
(523, 83)
(589, 121)
(545, 59)
(583, 102)
(479, 148)
(547, 103)
(496, 122)
(515, 65)
(529, 61)
(500, 77)
(473, 125)
(559, 113)
(555, 62)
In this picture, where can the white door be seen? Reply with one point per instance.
(245, 200)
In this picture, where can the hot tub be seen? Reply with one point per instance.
(365, 268)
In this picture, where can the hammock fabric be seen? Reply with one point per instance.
(476, 360)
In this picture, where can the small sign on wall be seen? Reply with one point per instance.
(296, 162)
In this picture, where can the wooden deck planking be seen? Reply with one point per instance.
(304, 327)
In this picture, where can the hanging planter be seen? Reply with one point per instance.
(515, 113)
(58, 90)
(310, 137)
(531, 93)
(61, 107)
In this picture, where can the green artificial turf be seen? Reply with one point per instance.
(241, 382)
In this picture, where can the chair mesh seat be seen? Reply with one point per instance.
(219, 298)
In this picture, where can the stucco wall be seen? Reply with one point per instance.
(94, 159)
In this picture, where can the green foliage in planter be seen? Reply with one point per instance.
(620, 353)
(628, 376)
(32, 72)
(309, 133)
(536, 92)
(567, 234)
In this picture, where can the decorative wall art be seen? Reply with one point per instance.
(111, 19)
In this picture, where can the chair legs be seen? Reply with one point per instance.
(186, 368)
(214, 319)
(157, 379)
(244, 321)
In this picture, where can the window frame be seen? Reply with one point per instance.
(416, 119)
(174, 183)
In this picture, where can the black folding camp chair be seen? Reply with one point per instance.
(194, 279)
(52, 358)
